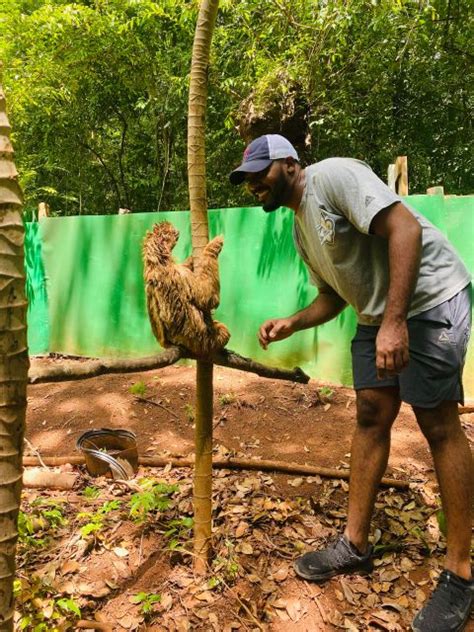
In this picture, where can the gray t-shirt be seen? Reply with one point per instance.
(331, 233)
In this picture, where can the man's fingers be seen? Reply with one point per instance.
(391, 363)
(273, 330)
(265, 333)
(263, 340)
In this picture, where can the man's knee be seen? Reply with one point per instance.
(440, 423)
(377, 408)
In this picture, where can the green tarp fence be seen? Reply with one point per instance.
(86, 291)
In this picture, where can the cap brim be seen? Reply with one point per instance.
(253, 166)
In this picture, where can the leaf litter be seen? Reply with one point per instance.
(85, 551)
(250, 585)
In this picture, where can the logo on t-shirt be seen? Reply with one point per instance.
(326, 229)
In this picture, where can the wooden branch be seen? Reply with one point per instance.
(93, 625)
(39, 477)
(225, 463)
(233, 360)
(76, 370)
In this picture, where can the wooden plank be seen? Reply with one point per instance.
(438, 190)
(401, 165)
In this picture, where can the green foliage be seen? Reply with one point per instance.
(227, 398)
(42, 609)
(40, 523)
(155, 498)
(91, 492)
(178, 532)
(98, 92)
(27, 532)
(190, 412)
(225, 566)
(97, 521)
(147, 602)
(68, 605)
(441, 519)
(139, 388)
(326, 392)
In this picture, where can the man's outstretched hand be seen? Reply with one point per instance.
(273, 330)
(391, 349)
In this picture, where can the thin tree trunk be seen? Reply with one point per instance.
(197, 124)
(13, 365)
(203, 465)
(200, 236)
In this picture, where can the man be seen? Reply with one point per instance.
(364, 247)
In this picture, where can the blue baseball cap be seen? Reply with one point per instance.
(260, 153)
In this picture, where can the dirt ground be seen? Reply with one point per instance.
(261, 521)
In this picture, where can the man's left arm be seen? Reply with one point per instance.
(403, 232)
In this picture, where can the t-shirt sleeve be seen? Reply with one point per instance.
(351, 187)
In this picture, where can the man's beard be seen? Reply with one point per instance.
(276, 197)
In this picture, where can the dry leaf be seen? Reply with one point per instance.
(242, 528)
(205, 596)
(294, 609)
(389, 575)
(281, 574)
(129, 622)
(120, 551)
(406, 564)
(392, 605)
(70, 566)
(339, 595)
(94, 589)
(166, 601)
(283, 615)
(269, 587)
(183, 624)
(295, 482)
(348, 594)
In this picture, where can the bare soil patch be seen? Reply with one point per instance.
(261, 521)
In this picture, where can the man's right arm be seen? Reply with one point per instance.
(326, 306)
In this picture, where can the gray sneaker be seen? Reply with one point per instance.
(338, 559)
(449, 606)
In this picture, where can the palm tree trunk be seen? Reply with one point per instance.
(200, 236)
(13, 365)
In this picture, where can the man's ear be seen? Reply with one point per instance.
(290, 165)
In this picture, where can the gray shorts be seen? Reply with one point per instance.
(437, 345)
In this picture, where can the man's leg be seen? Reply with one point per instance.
(377, 409)
(453, 466)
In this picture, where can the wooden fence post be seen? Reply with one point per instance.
(437, 190)
(43, 210)
(397, 176)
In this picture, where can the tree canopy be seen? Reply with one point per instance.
(98, 93)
